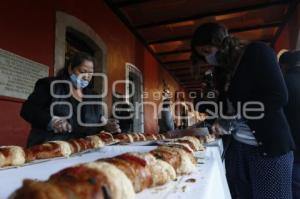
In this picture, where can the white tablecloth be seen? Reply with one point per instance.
(217, 143)
(210, 178)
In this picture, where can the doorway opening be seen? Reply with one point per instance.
(134, 75)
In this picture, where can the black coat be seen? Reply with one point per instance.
(258, 78)
(36, 111)
(292, 109)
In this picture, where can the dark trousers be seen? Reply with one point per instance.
(296, 180)
(253, 176)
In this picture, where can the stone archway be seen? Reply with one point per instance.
(65, 23)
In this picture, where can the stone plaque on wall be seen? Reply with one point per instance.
(18, 75)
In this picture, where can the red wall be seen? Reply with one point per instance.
(28, 29)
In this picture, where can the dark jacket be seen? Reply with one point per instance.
(292, 109)
(258, 78)
(36, 111)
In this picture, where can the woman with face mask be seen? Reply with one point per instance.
(56, 109)
(259, 158)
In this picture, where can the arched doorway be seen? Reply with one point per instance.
(71, 35)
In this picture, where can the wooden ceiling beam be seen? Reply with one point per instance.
(194, 83)
(174, 52)
(215, 13)
(290, 12)
(178, 68)
(179, 65)
(171, 52)
(127, 3)
(191, 87)
(199, 85)
(124, 19)
(133, 30)
(181, 72)
(185, 75)
(185, 61)
(194, 89)
(186, 78)
(234, 30)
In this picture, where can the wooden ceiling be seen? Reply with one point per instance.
(166, 27)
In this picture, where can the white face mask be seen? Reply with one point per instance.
(211, 59)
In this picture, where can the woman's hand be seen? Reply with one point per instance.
(112, 125)
(59, 125)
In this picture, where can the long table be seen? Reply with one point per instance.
(209, 180)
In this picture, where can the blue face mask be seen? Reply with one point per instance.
(77, 82)
(212, 59)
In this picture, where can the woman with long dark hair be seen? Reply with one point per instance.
(259, 159)
(59, 109)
